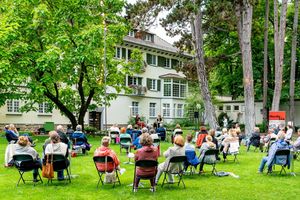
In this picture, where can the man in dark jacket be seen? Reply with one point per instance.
(62, 135)
(255, 140)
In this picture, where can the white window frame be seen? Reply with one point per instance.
(152, 109)
(148, 37)
(153, 84)
(134, 108)
(180, 83)
(179, 111)
(43, 108)
(131, 33)
(13, 106)
(166, 110)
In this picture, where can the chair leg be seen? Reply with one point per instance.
(40, 177)
(69, 177)
(165, 178)
(21, 178)
(181, 179)
(118, 178)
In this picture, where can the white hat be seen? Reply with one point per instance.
(290, 123)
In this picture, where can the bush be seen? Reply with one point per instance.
(90, 129)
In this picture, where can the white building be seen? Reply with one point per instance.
(159, 89)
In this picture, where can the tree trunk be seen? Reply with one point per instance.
(265, 81)
(244, 26)
(201, 70)
(279, 36)
(293, 64)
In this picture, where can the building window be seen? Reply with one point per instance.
(236, 108)
(118, 52)
(179, 111)
(151, 59)
(43, 107)
(149, 37)
(13, 106)
(134, 81)
(228, 108)
(121, 53)
(163, 62)
(174, 63)
(135, 108)
(175, 88)
(152, 109)
(131, 33)
(220, 108)
(167, 87)
(166, 110)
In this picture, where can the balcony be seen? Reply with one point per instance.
(138, 90)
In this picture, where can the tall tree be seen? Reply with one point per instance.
(293, 63)
(244, 26)
(279, 37)
(184, 18)
(57, 48)
(265, 80)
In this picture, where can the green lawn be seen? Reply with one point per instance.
(250, 185)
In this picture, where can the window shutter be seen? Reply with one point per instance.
(129, 80)
(123, 53)
(149, 59)
(161, 61)
(148, 83)
(158, 85)
(139, 81)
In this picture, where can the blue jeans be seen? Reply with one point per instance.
(60, 175)
(263, 163)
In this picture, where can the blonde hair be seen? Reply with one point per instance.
(54, 137)
(146, 139)
(177, 126)
(212, 132)
(224, 130)
(178, 140)
(105, 141)
(23, 141)
(208, 138)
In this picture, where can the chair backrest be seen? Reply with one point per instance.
(234, 147)
(114, 133)
(178, 133)
(60, 162)
(190, 154)
(106, 161)
(210, 152)
(102, 159)
(23, 162)
(178, 159)
(282, 156)
(146, 163)
(125, 140)
(78, 141)
(156, 142)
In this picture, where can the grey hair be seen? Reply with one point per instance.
(60, 128)
(144, 130)
(78, 128)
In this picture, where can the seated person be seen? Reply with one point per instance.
(177, 129)
(56, 147)
(190, 153)
(176, 150)
(129, 130)
(201, 136)
(204, 147)
(136, 132)
(10, 135)
(161, 131)
(70, 131)
(289, 132)
(104, 150)
(136, 143)
(23, 147)
(62, 135)
(255, 140)
(268, 160)
(125, 135)
(267, 139)
(147, 152)
(153, 134)
(115, 129)
(78, 134)
(212, 133)
(230, 139)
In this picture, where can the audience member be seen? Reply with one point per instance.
(176, 150)
(78, 134)
(209, 144)
(230, 139)
(212, 133)
(136, 143)
(289, 132)
(147, 152)
(62, 135)
(104, 150)
(201, 136)
(255, 140)
(56, 147)
(268, 160)
(123, 134)
(23, 147)
(161, 131)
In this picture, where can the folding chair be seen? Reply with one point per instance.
(234, 150)
(60, 162)
(282, 158)
(125, 143)
(178, 161)
(192, 161)
(79, 146)
(105, 160)
(145, 164)
(25, 163)
(210, 158)
(114, 135)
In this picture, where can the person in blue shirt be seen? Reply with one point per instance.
(78, 134)
(136, 143)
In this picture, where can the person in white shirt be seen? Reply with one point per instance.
(289, 132)
(58, 148)
(296, 144)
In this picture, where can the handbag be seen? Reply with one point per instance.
(47, 169)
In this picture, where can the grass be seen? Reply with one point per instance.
(250, 185)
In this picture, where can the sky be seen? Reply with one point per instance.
(158, 30)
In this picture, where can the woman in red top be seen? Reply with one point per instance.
(147, 152)
(104, 150)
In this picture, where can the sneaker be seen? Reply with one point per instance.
(152, 189)
(135, 189)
